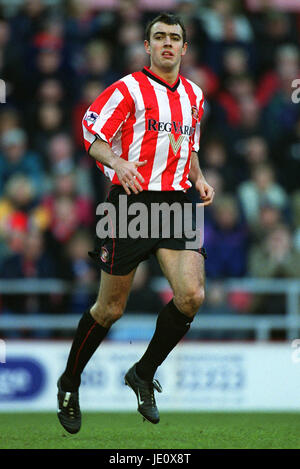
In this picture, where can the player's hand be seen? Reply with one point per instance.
(129, 176)
(206, 192)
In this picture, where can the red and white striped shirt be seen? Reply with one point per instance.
(142, 117)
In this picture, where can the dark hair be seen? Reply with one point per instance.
(166, 18)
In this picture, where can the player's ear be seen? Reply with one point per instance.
(147, 46)
(184, 49)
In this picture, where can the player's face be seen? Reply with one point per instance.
(166, 46)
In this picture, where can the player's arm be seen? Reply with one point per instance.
(197, 178)
(104, 118)
(126, 171)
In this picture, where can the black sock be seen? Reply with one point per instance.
(87, 339)
(171, 326)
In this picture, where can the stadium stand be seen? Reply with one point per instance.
(55, 58)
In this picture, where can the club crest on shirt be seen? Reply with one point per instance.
(91, 117)
(104, 254)
(195, 112)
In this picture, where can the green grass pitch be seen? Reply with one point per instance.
(175, 431)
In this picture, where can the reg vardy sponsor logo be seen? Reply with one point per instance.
(176, 127)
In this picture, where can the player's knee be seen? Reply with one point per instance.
(190, 301)
(198, 298)
(106, 315)
(114, 315)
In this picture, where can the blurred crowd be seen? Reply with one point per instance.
(56, 57)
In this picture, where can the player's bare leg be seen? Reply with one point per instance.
(91, 331)
(112, 298)
(185, 272)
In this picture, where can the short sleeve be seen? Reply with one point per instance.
(105, 117)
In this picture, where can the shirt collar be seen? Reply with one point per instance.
(160, 80)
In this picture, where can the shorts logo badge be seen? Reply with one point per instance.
(104, 254)
(195, 112)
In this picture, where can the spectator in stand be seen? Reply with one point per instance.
(199, 73)
(60, 154)
(51, 91)
(26, 22)
(47, 64)
(64, 185)
(286, 155)
(12, 240)
(260, 189)
(20, 210)
(63, 159)
(287, 68)
(250, 118)
(90, 90)
(33, 262)
(250, 152)
(29, 20)
(235, 63)
(80, 270)
(9, 119)
(15, 157)
(215, 156)
(98, 63)
(49, 58)
(80, 26)
(225, 238)
(273, 28)
(296, 218)
(49, 97)
(10, 54)
(296, 208)
(18, 198)
(236, 113)
(225, 28)
(239, 89)
(249, 125)
(130, 34)
(275, 258)
(214, 17)
(187, 10)
(129, 11)
(256, 151)
(269, 217)
(274, 93)
(64, 224)
(68, 201)
(49, 121)
(135, 58)
(17, 194)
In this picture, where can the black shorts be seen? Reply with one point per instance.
(118, 253)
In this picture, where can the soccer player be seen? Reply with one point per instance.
(143, 132)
